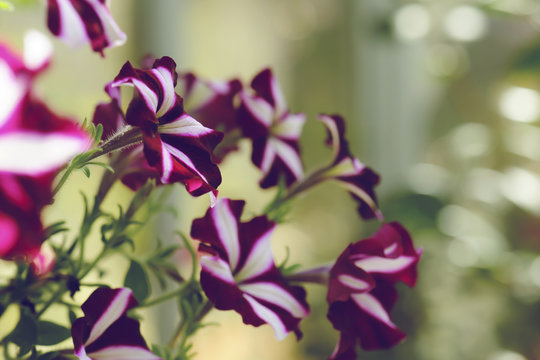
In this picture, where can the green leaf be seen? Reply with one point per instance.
(50, 333)
(86, 171)
(137, 280)
(72, 316)
(25, 333)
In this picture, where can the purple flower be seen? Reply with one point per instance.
(213, 104)
(175, 144)
(105, 331)
(361, 291)
(238, 270)
(34, 144)
(348, 171)
(78, 22)
(273, 130)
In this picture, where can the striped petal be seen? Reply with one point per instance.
(105, 332)
(239, 273)
(361, 291)
(264, 117)
(78, 22)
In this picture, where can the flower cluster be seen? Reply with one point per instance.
(164, 136)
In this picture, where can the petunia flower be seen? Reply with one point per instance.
(130, 163)
(78, 22)
(175, 144)
(21, 200)
(273, 130)
(105, 331)
(348, 171)
(34, 143)
(361, 291)
(238, 270)
(213, 104)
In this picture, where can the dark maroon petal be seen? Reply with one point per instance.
(105, 327)
(335, 128)
(262, 85)
(238, 271)
(362, 189)
(82, 21)
(345, 348)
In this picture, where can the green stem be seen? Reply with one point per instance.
(296, 189)
(179, 339)
(52, 300)
(163, 298)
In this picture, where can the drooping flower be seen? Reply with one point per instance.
(274, 131)
(348, 171)
(79, 22)
(105, 331)
(34, 143)
(175, 144)
(361, 291)
(238, 270)
(213, 104)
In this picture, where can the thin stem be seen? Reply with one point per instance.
(297, 188)
(52, 300)
(179, 338)
(163, 298)
(318, 275)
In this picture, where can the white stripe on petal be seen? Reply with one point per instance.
(279, 98)
(167, 84)
(372, 306)
(37, 49)
(276, 295)
(268, 316)
(184, 159)
(123, 352)
(11, 91)
(362, 195)
(330, 124)
(227, 229)
(166, 164)
(185, 125)
(149, 96)
(290, 128)
(72, 29)
(259, 260)
(269, 155)
(376, 264)
(114, 35)
(353, 282)
(32, 153)
(288, 155)
(116, 308)
(259, 109)
(217, 267)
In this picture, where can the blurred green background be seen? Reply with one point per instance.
(441, 98)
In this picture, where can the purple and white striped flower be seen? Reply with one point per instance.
(34, 143)
(361, 291)
(239, 273)
(78, 22)
(175, 144)
(213, 104)
(348, 171)
(105, 331)
(273, 130)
